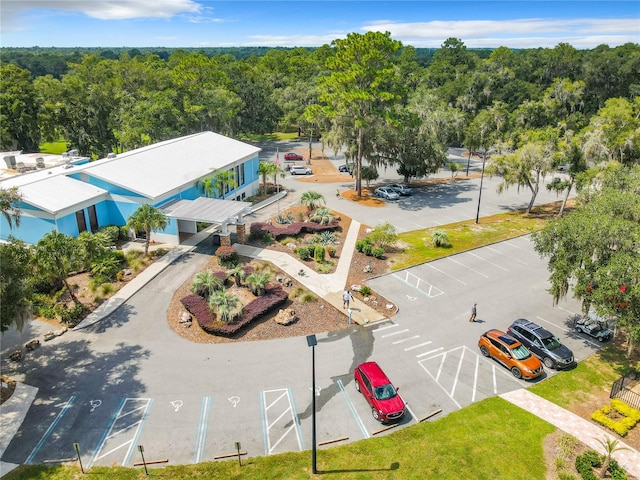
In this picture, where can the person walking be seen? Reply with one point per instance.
(346, 298)
(474, 311)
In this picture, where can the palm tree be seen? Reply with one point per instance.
(265, 169)
(257, 282)
(147, 218)
(205, 283)
(55, 258)
(238, 274)
(10, 199)
(311, 199)
(225, 304)
(208, 186)
(222, 179)
(610, 446)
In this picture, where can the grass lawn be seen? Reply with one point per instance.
(488, 440)
(464, 236)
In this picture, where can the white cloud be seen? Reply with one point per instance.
(519, 33)
(105, 9)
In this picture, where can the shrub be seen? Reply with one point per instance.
(331, 251)
(199, 309)
(630, 415)
(361, 244)
(440, 239)
(377, 252)
(227, 255)
(308, 298)
(293, 229)
(325, 238)
(303, 253)
(585, 464)
(297, 291)
(383, 235)
(324, 267)
(365, 291)
(107, 289)
(323, 216)
(318, 253)
(284, 219)
(113, 233)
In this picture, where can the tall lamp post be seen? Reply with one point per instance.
(312, 342)
(484, 158)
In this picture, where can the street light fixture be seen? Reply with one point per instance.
(312, 342)
(484, 159)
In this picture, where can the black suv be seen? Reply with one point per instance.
(542, 343)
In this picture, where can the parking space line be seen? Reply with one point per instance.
(395, 333)
(467, 268)
(385, 328)
(405, 340)
(364, 431)
(267, 407)
(495, 381)
(487, 261)
(455, 379)
(297, 420)
(429, 352)
(49, 431)
(508, 256)
(438, 383)
(446, 274)
(267, 425)
(417, 346)
(431, 292)
(202, 429)
(475, 380)
(134, 440)
(114, 417)
(413, 415)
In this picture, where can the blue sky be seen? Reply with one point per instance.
(195, 23)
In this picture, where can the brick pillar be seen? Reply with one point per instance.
(241, 231)
(225, 239)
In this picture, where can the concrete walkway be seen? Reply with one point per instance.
(587, 432)
(12, 413)
(330, 287)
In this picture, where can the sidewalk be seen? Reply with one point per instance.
(329, 287)
(585, 431)
(12, 413)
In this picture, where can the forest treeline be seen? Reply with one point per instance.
(104, 100)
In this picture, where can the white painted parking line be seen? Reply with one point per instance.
(395, 333)
(475, 380)
(508, 256)
(487, 261)
(364, 431)
(283, 409)
(455, 379)
(413, 415)
(418, 283)
(446, 274)
(417, 346)
(467, 268)
(130, 415)
(405, 340)
(438, 383)
(385, 328)
(429, 352)
(52, 427)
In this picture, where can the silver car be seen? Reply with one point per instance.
(387, 193)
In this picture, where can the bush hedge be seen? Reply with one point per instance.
(199, 309)
(630, 415)
(259, 229)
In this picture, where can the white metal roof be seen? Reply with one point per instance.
(209, 210)
(158, 169)
(59, 192)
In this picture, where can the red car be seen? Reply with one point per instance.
(292, 157)
(382, 396)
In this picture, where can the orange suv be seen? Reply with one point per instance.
(511, 353)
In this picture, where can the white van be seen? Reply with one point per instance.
(300, 170)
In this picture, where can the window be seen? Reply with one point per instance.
(82, 223)
(241, 175)
(93, 219)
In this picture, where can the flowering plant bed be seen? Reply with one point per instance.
(618, 416)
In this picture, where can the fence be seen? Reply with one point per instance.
(627, 389)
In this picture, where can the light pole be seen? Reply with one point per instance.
(312, 342)
(484, 157)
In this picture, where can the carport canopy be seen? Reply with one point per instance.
(207, 210)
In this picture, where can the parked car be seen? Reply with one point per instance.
(300, 170)
(292, 157)
(542, 343)
(386, 193)
(347, 167)
(595, 326)
(402, 189)
(377, 389)
(510, 353)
